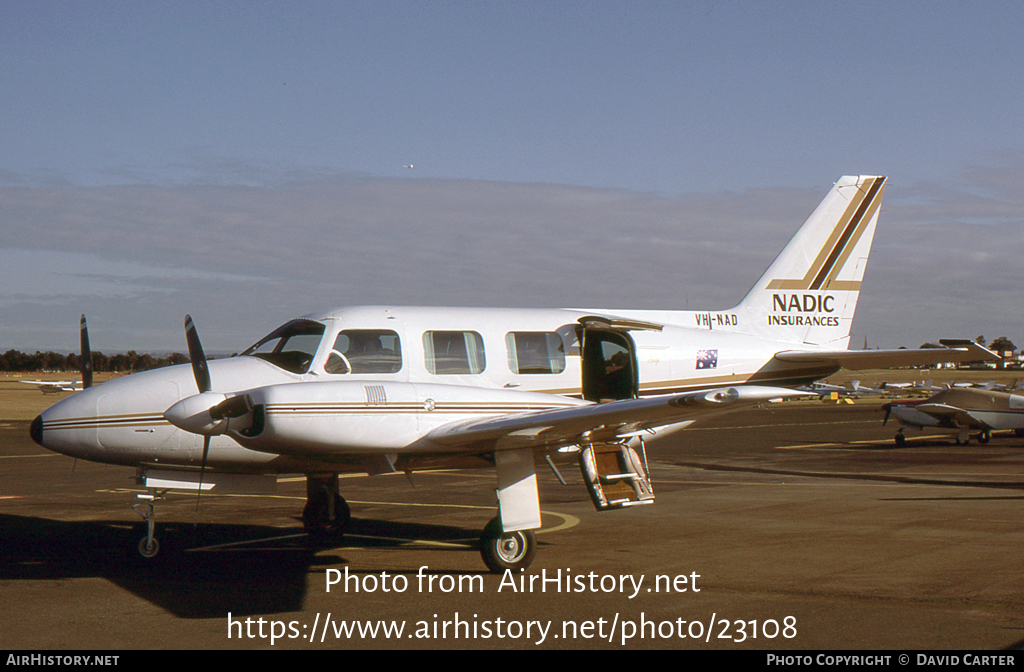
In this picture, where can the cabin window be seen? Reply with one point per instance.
(535, 352)
(453, 352)
(365, 351)
(291, 346)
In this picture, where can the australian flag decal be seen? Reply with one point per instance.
(707, 359)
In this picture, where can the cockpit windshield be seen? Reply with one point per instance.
(291, 346)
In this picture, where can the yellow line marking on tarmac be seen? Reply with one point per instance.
(782, 424)
(412, 542)
(858, 443)
(9, 457)
(245, 543)
(567, 522)
(417, 474)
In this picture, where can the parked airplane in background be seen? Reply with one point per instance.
(55, 386)
(851, 389)
(387, 388)
(963, 409)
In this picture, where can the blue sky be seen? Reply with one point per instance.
(246, 161)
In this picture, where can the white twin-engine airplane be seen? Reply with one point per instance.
(386, 388)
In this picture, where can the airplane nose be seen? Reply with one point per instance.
(35, 430)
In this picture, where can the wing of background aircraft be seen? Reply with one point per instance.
(54, 386)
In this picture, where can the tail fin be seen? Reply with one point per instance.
(809, 293)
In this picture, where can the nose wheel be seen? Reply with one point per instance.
(149, 547)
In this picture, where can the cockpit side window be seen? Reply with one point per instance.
(291, 346)
(365, 351)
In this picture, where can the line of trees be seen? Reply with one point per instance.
(129, 362)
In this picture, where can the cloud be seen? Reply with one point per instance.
(243, 258)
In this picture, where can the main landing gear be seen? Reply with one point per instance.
(326, 514)
(326, 517)
(964, 437)
(506, 550)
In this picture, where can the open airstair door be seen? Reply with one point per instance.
(608, 357)
(615, 473)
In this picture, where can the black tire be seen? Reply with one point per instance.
(900, 440)
(316, 516)
(506, 550)
(149, 550)
(342, 516)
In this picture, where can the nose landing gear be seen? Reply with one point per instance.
(149, 546)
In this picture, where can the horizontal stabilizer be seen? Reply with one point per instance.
(888, 359)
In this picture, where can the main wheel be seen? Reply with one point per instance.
(506, 550)
(149, 548)
(317, 518)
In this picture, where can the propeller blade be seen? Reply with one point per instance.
(85, 362)
(198, 357)
(202, 472)
(888, 412)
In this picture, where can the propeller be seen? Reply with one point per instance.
(195, 353)
(888, 411)
(84, 367)
(202, 374)
(226, 408)
(208, 412)
(85, 361)
(205, 413)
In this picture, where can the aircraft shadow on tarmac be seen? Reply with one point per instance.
(204, 571)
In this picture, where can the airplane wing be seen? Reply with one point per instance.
(951, 415)
(598, 423)
(53, 386)
(963, 351)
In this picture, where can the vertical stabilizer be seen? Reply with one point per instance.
(809, 293)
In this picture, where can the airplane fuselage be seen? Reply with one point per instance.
(489, 365)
